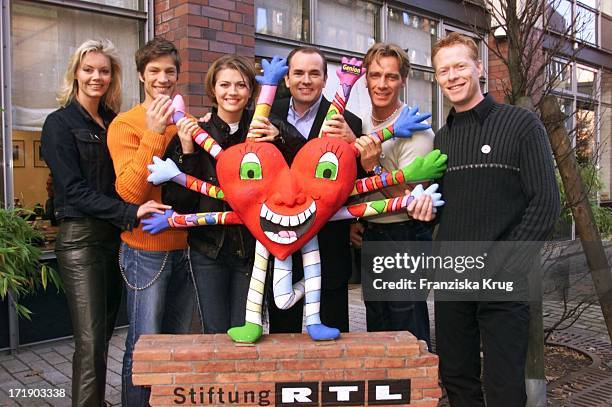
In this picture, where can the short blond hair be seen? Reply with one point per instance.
(453, 39)
(381, 50)
(112, 98)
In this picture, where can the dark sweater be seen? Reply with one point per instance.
(500, 182)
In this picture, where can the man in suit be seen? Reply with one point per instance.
(306, 110)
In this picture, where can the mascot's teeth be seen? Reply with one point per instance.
(281, 239)
(287, 220)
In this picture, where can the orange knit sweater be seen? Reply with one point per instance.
(132, 148)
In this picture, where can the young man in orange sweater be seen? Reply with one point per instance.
(155, 268)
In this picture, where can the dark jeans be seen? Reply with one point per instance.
(503, 329)
(87, 251)
(164, 306)
(398, 315)
(222, 286)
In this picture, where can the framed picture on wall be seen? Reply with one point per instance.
(38, 160)
(18, 153)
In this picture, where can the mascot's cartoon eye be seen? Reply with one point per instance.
(250, 167)
(327, 167)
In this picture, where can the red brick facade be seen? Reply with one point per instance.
(498, 73)
(204, 30)
(499, 77)
(167, 362)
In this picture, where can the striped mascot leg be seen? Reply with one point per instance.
(286, 294)
(312, 274)
(253, 327)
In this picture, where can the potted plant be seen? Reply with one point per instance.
(21, 272)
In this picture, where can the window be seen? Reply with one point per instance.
(131, 4)
(414, 33)
(579, 18)
(42, 39)
(605, 142)
(586, 80)
(347, 24)
(285, 19)
(350, 27)
(561, 15)
(422, 92)
(585, 132)
(586, 24)
(586, 101)
(560, 74)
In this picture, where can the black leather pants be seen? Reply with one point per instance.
(87, 254)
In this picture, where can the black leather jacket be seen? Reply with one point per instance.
(74, 147)
(233, 240)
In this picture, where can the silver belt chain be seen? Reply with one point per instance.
(150, 283)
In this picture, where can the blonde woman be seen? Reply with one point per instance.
(88, 210)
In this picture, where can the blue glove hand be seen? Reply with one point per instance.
(409, 121)
(157, 222)
(273, 71)
(162, 171)
(431, 190)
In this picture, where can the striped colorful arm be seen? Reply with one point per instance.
(203, 219)
(201, 137)
(348, 73)
(378, 207)
(408, 122)
(377, 182)
(264, 104)
(383, 134)
(208, 144)
(432, 166)
(273, 72)
(195, 184)
(159, 222)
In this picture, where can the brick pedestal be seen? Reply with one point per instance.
(182, 369)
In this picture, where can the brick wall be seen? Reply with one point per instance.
(204, 30)
(201, 362)
(499, 77)
(498, 72)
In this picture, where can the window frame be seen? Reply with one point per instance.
(144, 15)
(575, 5)
(268, 45)
(576, 97)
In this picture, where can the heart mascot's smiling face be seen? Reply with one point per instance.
(284, 207)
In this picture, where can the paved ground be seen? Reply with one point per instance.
(48, 366)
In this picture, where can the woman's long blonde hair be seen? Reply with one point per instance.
(112, 97)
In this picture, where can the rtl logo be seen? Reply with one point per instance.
(343, 393)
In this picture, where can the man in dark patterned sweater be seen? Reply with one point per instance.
(499, 186)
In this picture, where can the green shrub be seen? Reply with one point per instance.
(21, 272)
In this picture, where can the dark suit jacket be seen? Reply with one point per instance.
(334, 240)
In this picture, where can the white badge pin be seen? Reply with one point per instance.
(486, 149)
